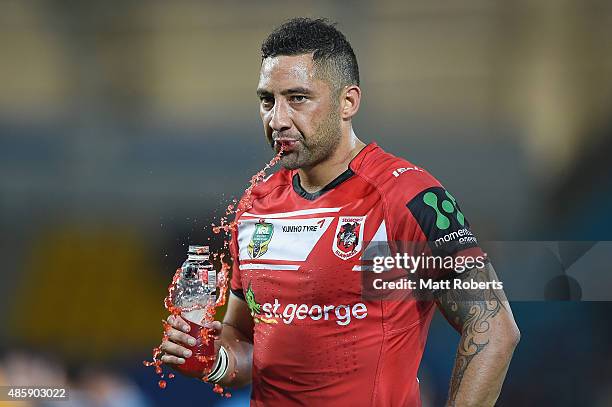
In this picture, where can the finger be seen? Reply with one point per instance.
(178, 323)
(172, 360)
(216, 327)
(173, 349)
(177, 336)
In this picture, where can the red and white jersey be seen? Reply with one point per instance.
(297, 262)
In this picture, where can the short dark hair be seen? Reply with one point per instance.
(331, 50)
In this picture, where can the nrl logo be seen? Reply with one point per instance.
(349, 236)
(258, 246)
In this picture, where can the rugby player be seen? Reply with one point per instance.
(297, 325)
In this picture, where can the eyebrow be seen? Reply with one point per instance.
(263, 92)
(291, 91)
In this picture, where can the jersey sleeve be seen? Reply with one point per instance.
(431, 224)
(236, 280)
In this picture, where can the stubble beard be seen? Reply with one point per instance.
(321, 145)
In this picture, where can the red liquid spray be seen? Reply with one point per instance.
(202, 358)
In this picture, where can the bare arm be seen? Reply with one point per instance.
(488, 338)
(237, 337)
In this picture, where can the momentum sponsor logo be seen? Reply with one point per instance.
(449, 206)
(462, 236)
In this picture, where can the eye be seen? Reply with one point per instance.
(298, 98)
(266, 102)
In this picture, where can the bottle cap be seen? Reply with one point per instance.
(197, 249)
(197, 252)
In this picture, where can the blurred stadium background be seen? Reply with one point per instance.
(126, 126)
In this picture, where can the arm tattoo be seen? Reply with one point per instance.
(469, 311)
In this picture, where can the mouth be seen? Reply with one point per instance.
(286, 145)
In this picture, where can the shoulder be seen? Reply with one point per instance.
(397, 179)
(269, 183)
(262, 186)
(416, 205)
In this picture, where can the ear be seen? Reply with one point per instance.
(350, 98)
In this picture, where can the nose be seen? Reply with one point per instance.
(280, 117)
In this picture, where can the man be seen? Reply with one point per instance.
(298, 324)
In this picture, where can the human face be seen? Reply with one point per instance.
(298, 110)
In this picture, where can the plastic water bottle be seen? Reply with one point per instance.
(195, 293)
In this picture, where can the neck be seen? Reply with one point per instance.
(314, 178)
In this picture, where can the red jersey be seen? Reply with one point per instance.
(297, 263)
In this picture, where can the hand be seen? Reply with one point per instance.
(174, 348)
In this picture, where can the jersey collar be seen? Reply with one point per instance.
(311, 196)
(353, 166)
